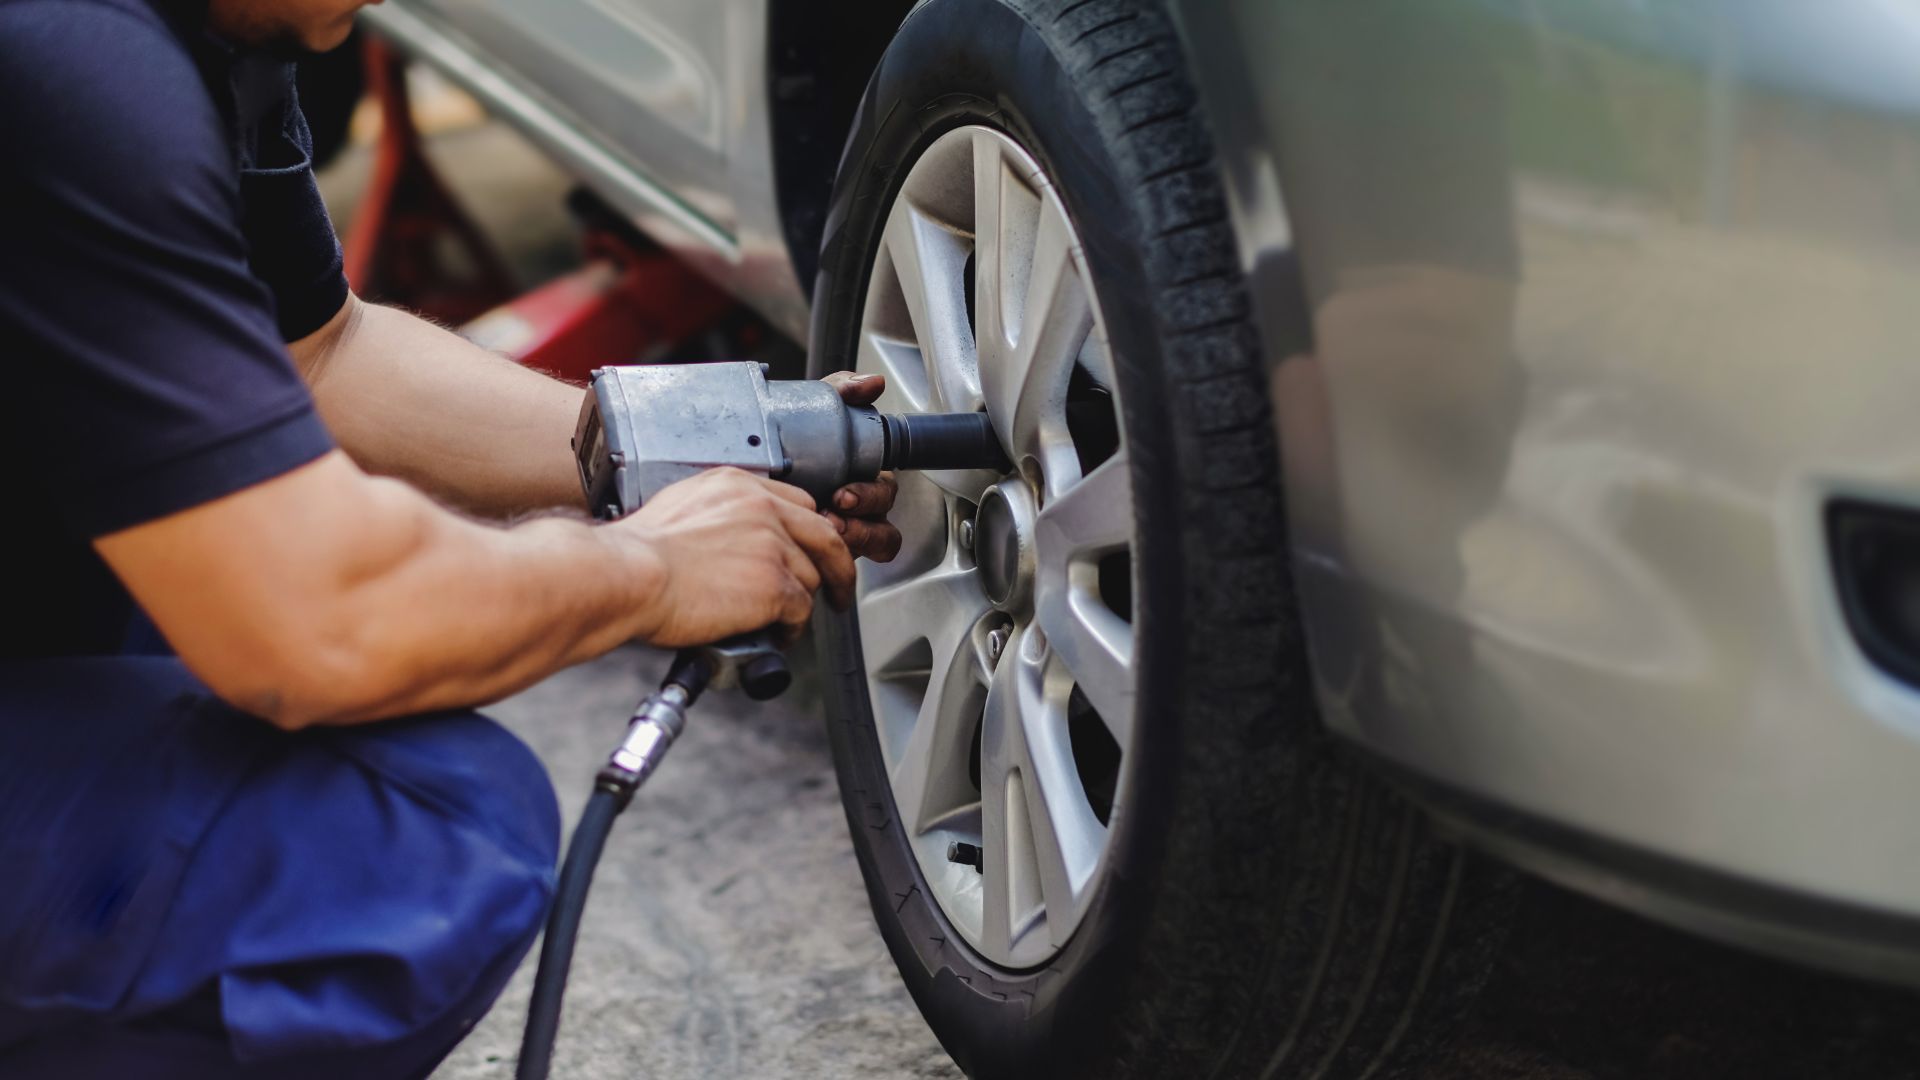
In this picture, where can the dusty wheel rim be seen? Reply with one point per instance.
(1003, 694)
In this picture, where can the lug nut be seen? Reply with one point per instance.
(996, 644)
(966, 535)
(966, 855)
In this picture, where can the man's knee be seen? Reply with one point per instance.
(487, 779)
(370, 887)
(359, 901)
(469, 765)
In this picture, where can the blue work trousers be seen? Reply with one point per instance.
(186, 891)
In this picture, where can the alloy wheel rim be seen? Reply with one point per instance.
(1003, 719)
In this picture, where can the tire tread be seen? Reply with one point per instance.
(1229, 460)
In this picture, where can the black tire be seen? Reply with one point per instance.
(1272, 909)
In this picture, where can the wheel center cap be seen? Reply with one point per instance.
(1003, 544)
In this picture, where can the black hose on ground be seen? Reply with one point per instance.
(651, 731)
(563, 926)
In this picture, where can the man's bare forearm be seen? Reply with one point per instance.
(353, 598)
(410, 400)
(475, 613)
(326, 596)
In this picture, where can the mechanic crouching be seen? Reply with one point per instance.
(289, 850)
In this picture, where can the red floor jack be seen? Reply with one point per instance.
(629, 300)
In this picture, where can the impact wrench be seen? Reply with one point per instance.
(642, 428)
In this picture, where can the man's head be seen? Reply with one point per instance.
(309, 25)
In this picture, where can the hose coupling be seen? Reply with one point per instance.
(650, 733)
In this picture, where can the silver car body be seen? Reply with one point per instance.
(655, 103)
(1608, 299)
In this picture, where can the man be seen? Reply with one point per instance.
(214, 867)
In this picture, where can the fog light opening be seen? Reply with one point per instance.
(1876, 561)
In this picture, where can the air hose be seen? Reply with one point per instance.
(654, 726)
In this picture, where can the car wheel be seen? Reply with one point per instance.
(1101, 827)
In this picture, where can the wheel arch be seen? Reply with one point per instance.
(820, 56)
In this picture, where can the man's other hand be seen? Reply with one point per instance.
(859, 511)
(736, 552)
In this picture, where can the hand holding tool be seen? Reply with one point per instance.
(644, 427)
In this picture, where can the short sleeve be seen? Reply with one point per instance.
(145, 370)
(291, 244)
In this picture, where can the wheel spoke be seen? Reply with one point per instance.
(930, 778)
(1097, 647)
(1005, 213)
(1092, 518)
(931, 260)
(939, 607)
(1052, 838)
(921, 513)
(904, 367)
(1025, 385)
(1011, 876)
(998, 858)
(1097, 355)
(1067, 837)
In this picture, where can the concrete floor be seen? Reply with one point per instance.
(728, 935)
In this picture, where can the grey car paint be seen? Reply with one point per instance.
(1607, 298)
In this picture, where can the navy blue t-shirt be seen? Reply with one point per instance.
(161, 237)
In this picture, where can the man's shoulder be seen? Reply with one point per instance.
(83, 20)
(102, 87)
